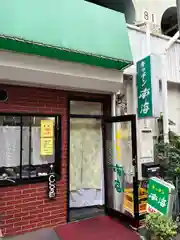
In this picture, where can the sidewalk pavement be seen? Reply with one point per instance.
(43, 234)
(178, 237)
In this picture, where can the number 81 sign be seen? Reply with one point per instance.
(148, 17)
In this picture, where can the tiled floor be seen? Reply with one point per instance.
(44, 234)
(85, 213)
(101, 227)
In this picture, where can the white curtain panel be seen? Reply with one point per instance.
(10, 147)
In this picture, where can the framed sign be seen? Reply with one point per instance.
(52, 186)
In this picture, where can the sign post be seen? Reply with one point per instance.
(178, 13)
(160, 196)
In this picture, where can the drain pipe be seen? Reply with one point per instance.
(165, 87)
(116, 197)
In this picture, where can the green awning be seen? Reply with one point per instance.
(70, 30)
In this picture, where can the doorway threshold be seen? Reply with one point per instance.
(77, 214)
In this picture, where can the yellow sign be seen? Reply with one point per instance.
(47, 146)
(47, 128)
(118, 148)
(47, 137)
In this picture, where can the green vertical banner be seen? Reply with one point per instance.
(144, 88)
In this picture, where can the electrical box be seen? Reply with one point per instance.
(150, 169)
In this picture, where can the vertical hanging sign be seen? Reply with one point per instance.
(144, 88)
(51, 184)
(148, 86)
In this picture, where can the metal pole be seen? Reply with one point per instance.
(148, 38)
(148, 48)
(165, 98)
(178, 12)
(115, 195)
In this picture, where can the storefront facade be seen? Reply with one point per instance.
(25, 205)
(41, 73)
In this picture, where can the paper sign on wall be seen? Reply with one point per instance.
(47, 146)
(47, 137)
(47, 128)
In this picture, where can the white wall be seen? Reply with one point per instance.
(22, 69)
(158, 43)
(156, 7)
(174, 105)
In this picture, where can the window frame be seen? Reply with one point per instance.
(58, 148)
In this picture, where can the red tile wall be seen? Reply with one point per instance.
(27, 208)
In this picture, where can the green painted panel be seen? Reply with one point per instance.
(76, 25)
(45, 51)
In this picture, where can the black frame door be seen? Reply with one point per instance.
(110, 160)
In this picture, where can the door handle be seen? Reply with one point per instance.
(134, 161)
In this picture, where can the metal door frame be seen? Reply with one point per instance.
(109, 211)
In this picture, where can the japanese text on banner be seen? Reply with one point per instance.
(144, 88)
(158, 197)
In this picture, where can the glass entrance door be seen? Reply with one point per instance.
(120, 162)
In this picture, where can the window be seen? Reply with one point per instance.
(169, 22)
(29, 147)
(86, 108)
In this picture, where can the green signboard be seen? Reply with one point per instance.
(159, 196)
(144, 88)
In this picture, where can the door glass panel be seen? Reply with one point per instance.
(120, 170)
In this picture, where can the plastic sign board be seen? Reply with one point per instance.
(160, 196)
(148, 75)
(52, 186)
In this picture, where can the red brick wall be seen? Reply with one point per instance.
(26, 208)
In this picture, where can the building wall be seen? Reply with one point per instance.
(174, 106)
(156, 7)
(26, 208)
(158, 45)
